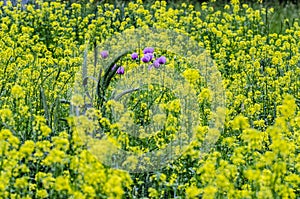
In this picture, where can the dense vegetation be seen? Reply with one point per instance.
(63, 64)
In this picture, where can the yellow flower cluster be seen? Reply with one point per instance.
(47, 169)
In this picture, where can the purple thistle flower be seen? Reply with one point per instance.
(104, 54)
(121, 70)
(162, 60)
(146, 58)
(150, 55)
(114, 67)
(148, 50)
(156, 64)
(134, 56)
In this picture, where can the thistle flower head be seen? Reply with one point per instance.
(150, 55)
(146, 58)
(120, 70)
(104, 54)
(156, 64)
(148, 50)
(162, 60)
(114, 67)
(134, 56)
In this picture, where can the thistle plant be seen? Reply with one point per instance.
(147, 107)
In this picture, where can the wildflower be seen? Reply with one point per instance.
(77, 100)
(121, 70)
(150, 55)
(192, 192)
(240, 122)
(156, 64)
(192, 75)
(146, 58)
(17, 91)
(114, 67)
(42, 193)
(162, 60)
(104, 54)
(148, 50)
(134, 56)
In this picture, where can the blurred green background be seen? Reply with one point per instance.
(285, 11)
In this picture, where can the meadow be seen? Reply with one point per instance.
(149, 100)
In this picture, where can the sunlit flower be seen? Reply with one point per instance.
(121, 70)
(146, 58)
(134, 56)
(156, 64)
(162, 60)
(114, 67)
(104, 54)
(150, 55)
(148, 50)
